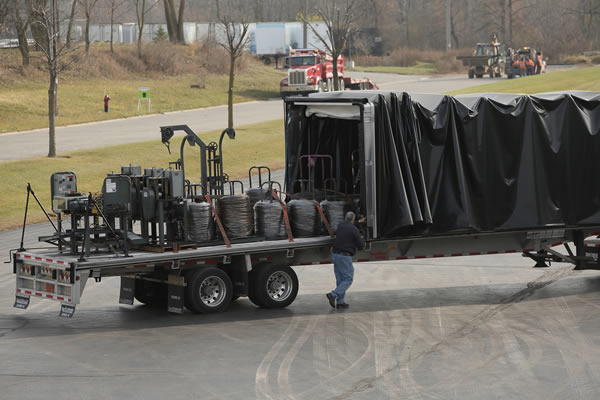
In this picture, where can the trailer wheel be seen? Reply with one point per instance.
(491, 72)
(152, 294)
(471, 74)
(274, 286)
(208, 290)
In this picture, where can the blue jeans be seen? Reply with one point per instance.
(344, 275)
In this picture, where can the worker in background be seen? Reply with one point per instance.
(106, 100)
(347, 241)
(530, 66)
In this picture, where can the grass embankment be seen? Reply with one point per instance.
(407, 61)
(169, 71)
(258, 144)
(575, 79)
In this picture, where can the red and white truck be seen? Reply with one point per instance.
(311, 71)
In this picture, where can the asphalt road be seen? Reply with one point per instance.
(99, 134)
(483, 327)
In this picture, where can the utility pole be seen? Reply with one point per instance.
(448, 38)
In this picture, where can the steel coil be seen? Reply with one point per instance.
(268, 220)
(201, 222)
(234, 212)
(304, 218)
(255, 195)
(334, 212)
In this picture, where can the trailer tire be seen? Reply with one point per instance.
(208, 290)
(152, 294)
(471, 74)
(273, 286)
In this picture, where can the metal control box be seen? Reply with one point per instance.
(62, 186)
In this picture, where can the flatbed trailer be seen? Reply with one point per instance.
(408, 216)
(62, 278)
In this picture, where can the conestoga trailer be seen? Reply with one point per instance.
(435, 176)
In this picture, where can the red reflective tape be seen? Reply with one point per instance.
(60, 262)
(140, 266)
(38, 294)
(438, 255)
(325, 262)
(420, 257)
(28, 291)
(456, 254)
(557, 244)
(475, 253)
(18, 290)
(39, 258)
(49, 296)
(401, 258)
(306, 263)
(69, 300)
(510, 251)
(27, 256)
(492, 252)
(59, 298)
(49, 260)
(363, 259)
(77, 278)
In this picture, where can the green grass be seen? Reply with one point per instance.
(422, 68)
(258, 144)
(574, 79)
(24, 104)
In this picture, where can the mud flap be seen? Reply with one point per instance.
(67, 310)
(21, 302)
(176, 288)
(127, 290)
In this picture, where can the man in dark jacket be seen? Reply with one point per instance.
(347, 240)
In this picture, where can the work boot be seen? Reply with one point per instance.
(343, 305)
(331, 300)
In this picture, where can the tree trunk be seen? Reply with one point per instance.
(510, 22)
(21, 35)
(70, 27)
(139, 42)
(335, 72)
(170, 16)
(112, 22)
(87, 33)
(180, 36)
(51, 106)
(230, 92)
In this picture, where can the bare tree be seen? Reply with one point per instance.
(142, 7)
(88, 9)
(236, 38)
(44, 19)
(174, 22)
(71, 18)
(115, 6)
(13, 12)
(340, 21)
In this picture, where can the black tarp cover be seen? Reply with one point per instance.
(491, 162)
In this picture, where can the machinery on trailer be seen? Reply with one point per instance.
(430, 185)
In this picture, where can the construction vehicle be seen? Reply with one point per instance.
(418, 167)
(488, 59)
(526, 61)
(311, 71)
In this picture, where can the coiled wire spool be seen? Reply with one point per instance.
(234, 212)
(201, 222)
(334, 212)
(304, 218)
(268, 220)
(255, 195)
